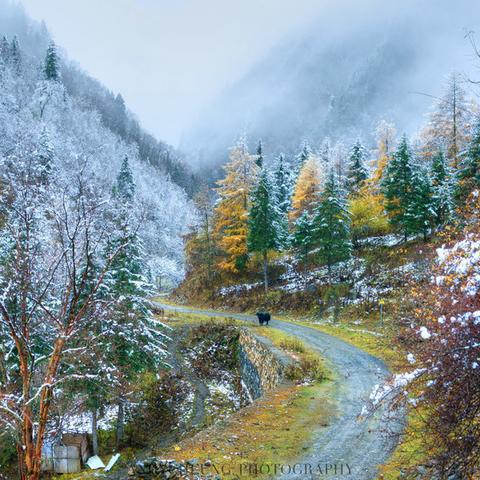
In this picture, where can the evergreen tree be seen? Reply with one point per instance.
(357, 173)
(135, 343)
(420, 213)
(397, 186)
(15, 55)
(469, 172)
(4, 50)
(264, 223)
(325, 153)
(259, 159)
(52, 67)
(283, 185)
(331, 225)
(302, 157)
(124, 187)
(302, 237)
(443, 189)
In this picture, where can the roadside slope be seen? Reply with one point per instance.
(360, 445)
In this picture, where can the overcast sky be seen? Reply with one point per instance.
(169, 58)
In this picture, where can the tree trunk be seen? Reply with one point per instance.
(94, 432)
(120, 422)
(265, 270)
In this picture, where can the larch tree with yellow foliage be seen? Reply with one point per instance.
(367, 206)
(308, 186)
(231, 211)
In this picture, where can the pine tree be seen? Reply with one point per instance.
(230, 215)
(4, 51)
(264, 223)
(469, 171)
(283, 197)
(331, 225)
(283, 186)
(420, 214)
(259, 159)
(124, 187)
(16, 56)
(308, 185)
(52, 67)
(443, 189)
(135, 343)
(302, 157)
(357, 173)
(325, 153)
(303, 240)
(397, 186)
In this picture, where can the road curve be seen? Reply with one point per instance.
(356, 447)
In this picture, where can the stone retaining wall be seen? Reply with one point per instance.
(261, 369)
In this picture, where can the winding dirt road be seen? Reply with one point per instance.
(354, 447)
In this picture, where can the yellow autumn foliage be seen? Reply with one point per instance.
(309, 184)
(230, 215)
(368, 215)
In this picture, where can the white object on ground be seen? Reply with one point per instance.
(95, 462)
(112, 462)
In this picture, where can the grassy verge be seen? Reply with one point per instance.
(273, 430)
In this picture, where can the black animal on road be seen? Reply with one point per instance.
(263, 317)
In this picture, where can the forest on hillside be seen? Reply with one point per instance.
(338, 230)
(337, 249)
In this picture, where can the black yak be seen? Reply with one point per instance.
(263, 317)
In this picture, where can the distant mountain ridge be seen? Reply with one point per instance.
(337, 84)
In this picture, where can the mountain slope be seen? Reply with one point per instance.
(79, 125)
(34, 39)
(337, 82)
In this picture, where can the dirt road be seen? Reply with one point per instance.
(349, 447)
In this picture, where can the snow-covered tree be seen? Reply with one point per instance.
(469, 168)
(283, 185)
(397, 186)
(303, 240)
(420, 212)
(51, 235)
(134, 340)
(52, 67)
(265, 228)
(357, 172)
(331, 225)
(450, 122)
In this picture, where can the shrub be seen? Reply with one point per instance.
(292, 345)
(158, 411)
(308, 369)
(215, 347)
